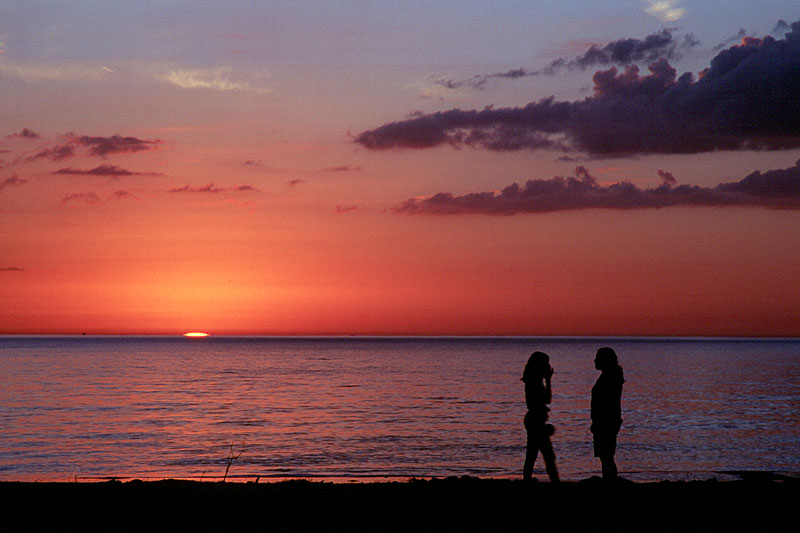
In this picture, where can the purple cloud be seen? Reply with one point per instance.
(25, 133)
(341, 168)
(13, 181)
(246, 188)
(104, 170)
(776, 189)
(667, 179)
(207, 188)
(54, 153)
(115, 144)
(746, 100)
(621, 52)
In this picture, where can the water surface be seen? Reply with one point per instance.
(155, 407)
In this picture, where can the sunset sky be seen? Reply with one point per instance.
(434, 168)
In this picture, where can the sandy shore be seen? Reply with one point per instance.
(452, 504)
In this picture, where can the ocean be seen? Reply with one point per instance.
(358, 408)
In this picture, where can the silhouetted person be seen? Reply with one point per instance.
(538, 394)
(606, 409)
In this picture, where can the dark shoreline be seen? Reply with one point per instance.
(450, 504)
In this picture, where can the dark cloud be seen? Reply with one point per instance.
(346, 208)
(54, 153)
(25, 133)
(11, 269)
(207, 188)
(246, 188)
(104, 170)
(342, 168)
(746, 99)
(296, 182)
(253, 163)
(13, 181)
(620, 52)
(115, 144)
(81, 197)
(121, 195)
(667, 179)
(777, 189)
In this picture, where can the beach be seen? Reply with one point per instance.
(757, 502)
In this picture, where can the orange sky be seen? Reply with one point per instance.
(298, 233)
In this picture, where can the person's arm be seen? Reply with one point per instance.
(548, 391)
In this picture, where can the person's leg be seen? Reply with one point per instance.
(549, 457)
(609, 467)
(530, 455)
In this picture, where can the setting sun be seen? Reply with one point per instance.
(195, 334)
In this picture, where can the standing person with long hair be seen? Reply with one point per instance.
(607, 409)
(538, 394)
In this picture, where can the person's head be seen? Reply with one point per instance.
(606, 359)
(538, 364)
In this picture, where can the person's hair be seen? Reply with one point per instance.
(535, 366)
(607, 358)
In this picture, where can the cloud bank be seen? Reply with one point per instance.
(746, 100)
(776, 189)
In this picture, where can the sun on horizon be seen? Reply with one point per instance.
(195, 334)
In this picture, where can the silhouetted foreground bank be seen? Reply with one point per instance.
(452, 504)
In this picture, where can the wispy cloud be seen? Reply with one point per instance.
(620, 52)
(296, 182)
(54, 153)
(89, 198)
(213, 79)
(665, 10)
(210, 188)
(61, 72)
(11, 269)
(13, 181)
(654, 113)
(346, 208)
(113, 171)
(97, 146)
(775, 189)
(341, 168)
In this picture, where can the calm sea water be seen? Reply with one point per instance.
(339, 408)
